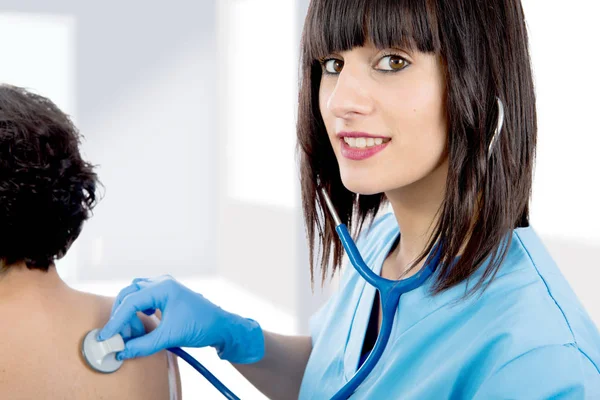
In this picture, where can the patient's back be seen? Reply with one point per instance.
(40, 352)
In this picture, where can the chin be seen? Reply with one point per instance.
(363, 186)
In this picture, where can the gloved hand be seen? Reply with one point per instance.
(188, 320)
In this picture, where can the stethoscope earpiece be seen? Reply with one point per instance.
(498, 126)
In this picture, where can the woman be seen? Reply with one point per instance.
(47, 191)
(400, 103)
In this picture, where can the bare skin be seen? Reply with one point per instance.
(43, 324)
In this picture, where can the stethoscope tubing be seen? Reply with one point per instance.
(389, 292)
(204, 372)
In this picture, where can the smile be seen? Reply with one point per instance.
(362, 148)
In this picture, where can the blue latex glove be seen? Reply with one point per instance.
(188, 320)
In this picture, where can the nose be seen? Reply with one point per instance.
(350, 97)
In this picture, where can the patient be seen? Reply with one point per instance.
(47, 191)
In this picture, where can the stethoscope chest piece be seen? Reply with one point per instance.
(101, 356)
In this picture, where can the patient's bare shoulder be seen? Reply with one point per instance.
(41, 354)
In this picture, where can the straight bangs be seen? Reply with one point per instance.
(340, 25)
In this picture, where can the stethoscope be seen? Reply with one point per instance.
(389, 294)
(100, 356)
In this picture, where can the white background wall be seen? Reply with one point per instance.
(139, 79)
(260, 235)
(565, 208)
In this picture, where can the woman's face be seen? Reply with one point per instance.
(385, 116)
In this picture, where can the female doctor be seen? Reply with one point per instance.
(400, 103)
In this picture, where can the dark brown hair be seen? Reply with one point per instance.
(483, 46)
(46, 189)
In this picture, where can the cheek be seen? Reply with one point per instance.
(328, 118)
(421, 120)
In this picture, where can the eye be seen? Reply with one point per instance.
(392, 62)
(332, 66)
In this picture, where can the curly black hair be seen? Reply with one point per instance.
(47, 190)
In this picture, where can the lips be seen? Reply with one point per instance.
(357, 154)
(359, 135)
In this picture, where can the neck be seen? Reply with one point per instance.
(416, 208)
(18, 279)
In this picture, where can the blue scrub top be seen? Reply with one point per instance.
(526, 336)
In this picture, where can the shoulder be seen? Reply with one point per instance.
(529, 335)
(536, 309)
(548, 372)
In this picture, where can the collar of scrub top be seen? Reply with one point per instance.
(354, 361)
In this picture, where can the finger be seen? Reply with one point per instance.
(143, 346)
(138, 301)
(141, 281)
(136, 285)
(133, 329)
(124, 293)
(146, 282)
